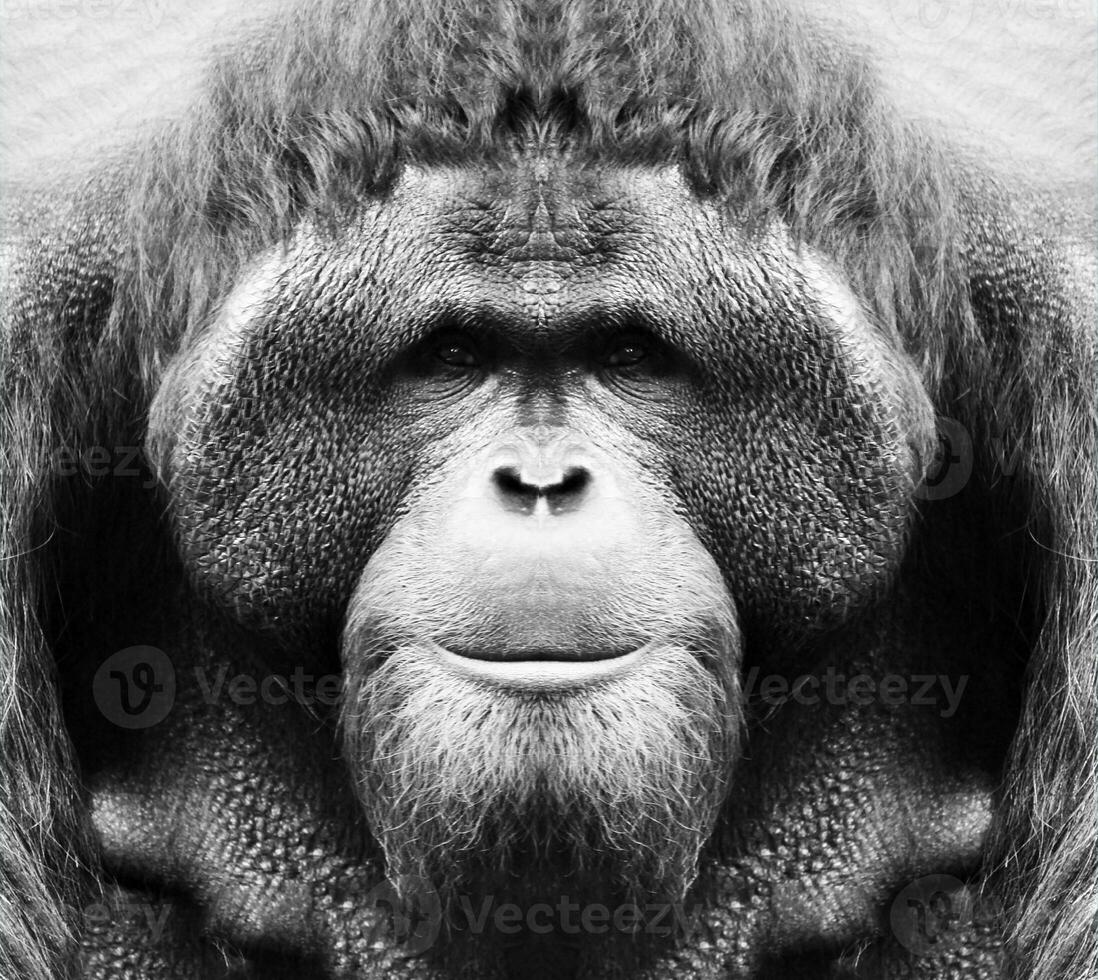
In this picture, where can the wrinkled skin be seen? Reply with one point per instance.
(472, 507)
(362, 497)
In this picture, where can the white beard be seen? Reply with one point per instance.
(611, 789)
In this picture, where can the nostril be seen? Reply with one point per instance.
(522, 494)
(568, 492)
(516, 494)
(573, 483)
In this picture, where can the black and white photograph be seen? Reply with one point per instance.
(549, 490)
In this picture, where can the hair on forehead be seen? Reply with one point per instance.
(324, 104)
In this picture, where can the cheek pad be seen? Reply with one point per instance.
(804, 490)
(280, 483)
(278, 497)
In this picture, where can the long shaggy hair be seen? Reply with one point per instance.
(763, 111)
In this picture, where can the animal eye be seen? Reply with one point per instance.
(456, 354)
(626, 354)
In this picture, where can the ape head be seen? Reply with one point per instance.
(543, 369)
(542, 434)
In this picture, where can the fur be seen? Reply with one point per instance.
(771, 114)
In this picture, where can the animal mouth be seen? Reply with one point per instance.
(539, 654)
(540, 669)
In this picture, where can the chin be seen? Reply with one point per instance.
(532, 780)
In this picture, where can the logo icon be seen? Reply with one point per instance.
(135, 688)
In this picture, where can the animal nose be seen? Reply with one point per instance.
(522, 490)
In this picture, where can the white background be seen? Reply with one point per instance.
(1021, 73)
